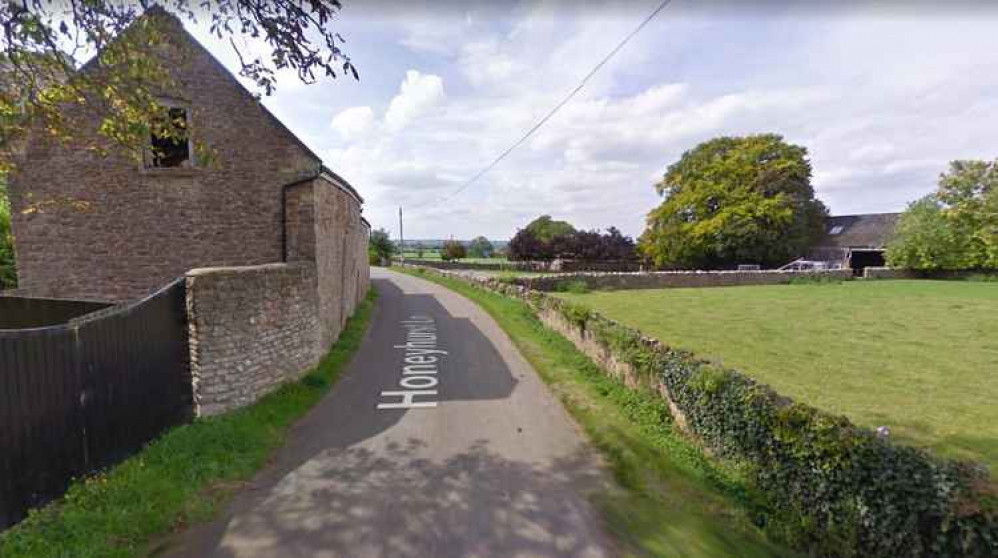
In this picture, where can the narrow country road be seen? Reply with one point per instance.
(469, 455)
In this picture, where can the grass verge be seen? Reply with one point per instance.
(180, 478)
(673, 501)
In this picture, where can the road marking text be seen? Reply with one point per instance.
(419, 374)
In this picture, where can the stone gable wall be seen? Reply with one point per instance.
(252, 328)
(110, 229)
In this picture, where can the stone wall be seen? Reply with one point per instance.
(671, 279)
(324, 226)
(251, 329)
(109, 228)
(556, 265)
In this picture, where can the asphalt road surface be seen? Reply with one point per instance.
(469, 454)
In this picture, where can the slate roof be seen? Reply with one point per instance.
(871, 231)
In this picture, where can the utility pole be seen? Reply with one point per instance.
(401, 237)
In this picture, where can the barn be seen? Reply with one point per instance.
(855, 241)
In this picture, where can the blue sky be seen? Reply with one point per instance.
(882, 95)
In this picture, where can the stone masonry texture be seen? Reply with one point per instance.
(252, 328)
(110, 229)
(272, 247)
(669, 279)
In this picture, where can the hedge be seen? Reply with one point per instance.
(831, 488)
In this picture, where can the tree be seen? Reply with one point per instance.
(453, 250)
(925, 238)
(380, 246)
(969, 193)
(42, 84)
(734, 200)
(954, 228)
(546, 229)
(480, 247)
(616, 246)
(590, 246)
(8, 269)
(525, 246)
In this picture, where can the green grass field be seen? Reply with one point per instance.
(920, 357)
(435, 255)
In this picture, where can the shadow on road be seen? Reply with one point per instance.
(398, 503)
(359, 504)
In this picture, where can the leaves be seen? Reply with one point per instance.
(380, 245)
(8, 270)
(480, 247)
(453, 250)
(42, 86)
(734, 200)
(544, 239)
(954, 228)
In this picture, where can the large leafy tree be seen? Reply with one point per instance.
(925, 238)
(453, 250)
(380, 246)
(735, 200)
(954, 228)
(590, 246)
(525, 246)
(480, 247)
(969, 192)
(546, 229)
(42, 85)
(8, 271)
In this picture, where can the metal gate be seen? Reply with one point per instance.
(77, 397)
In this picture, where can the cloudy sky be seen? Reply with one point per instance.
(881, 95)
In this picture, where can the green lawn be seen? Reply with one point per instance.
(674, 502)
(918, 356)
(435, 255)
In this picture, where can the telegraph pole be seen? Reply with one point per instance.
(401, 237)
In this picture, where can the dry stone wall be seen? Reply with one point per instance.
(670, 279)
(251, 329)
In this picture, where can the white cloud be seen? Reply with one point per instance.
(880, 101)
(419, 93)
(484, 63)
(354, 122)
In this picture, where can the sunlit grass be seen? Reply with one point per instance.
(920, 357)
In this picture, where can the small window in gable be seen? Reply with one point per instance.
(169, 141)
(835, 230)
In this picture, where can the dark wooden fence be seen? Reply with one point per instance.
(22, 312)
(77, 397)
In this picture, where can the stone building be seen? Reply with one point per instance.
(855, 241)
(112, 228)
(269, 243)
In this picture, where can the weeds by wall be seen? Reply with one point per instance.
(832, 488)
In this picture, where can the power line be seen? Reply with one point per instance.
(557, 107)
